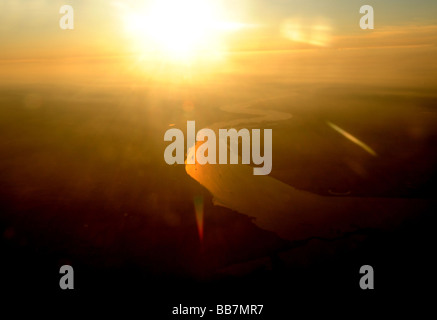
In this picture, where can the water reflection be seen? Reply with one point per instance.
(291, 213)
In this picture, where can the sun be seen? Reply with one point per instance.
(176, 28)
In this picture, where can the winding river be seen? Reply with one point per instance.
(278, 207)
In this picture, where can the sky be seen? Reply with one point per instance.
(30, 28)
(135, 40)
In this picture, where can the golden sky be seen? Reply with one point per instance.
(30, 28)
(323, 37)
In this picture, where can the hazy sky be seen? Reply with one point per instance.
(30, 28)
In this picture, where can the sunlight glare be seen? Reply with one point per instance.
(179, 28)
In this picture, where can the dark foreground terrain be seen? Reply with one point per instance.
(83, 182)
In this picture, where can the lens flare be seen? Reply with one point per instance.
(198, 207)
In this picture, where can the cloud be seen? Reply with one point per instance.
(392, 36)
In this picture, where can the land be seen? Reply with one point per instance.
(84, 182)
